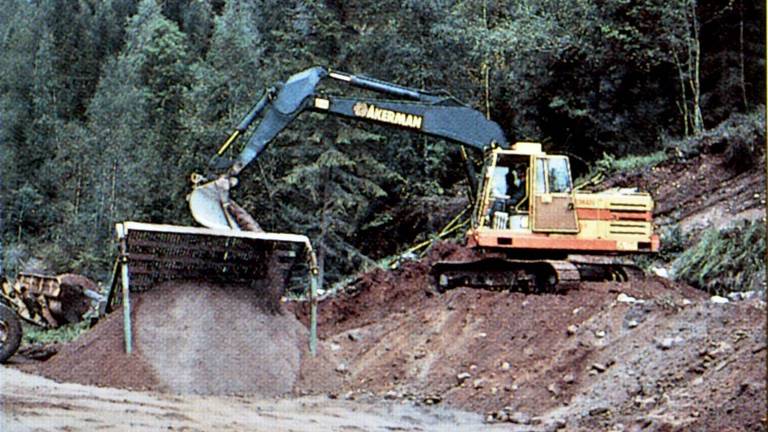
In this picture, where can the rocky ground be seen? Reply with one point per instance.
(635, 355)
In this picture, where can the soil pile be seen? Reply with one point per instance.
(640, 353)
(98, 358)
(188, 338)
(216, 340)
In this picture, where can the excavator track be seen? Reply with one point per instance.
(529, 276)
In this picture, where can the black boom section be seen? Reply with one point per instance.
(431, 113)
(453, 122)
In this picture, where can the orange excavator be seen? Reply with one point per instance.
(530, 228)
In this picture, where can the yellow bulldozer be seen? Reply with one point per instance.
(45, 301)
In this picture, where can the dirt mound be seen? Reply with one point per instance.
(188, 338)
(98, 358)
(604, 354)
(215, 340)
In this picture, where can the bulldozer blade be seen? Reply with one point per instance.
(208, 202)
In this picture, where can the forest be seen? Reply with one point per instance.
(107, 106)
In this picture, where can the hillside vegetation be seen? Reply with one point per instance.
(107, 106)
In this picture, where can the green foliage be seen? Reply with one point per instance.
(672, 243)
(609, 165)
(726, 260)
(631, 163)
(741, 138)
(107, 106)
(65, 333)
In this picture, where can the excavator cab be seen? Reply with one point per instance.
(508, 189)
(525, 189)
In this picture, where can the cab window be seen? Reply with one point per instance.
(540, 180)
(559, 175)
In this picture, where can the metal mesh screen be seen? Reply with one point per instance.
(156, 256)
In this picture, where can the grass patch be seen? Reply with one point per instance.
(65, 333)
(609, 165)
(634, 163)
(724, 261)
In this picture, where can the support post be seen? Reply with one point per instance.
(127, 333)
(314, 282)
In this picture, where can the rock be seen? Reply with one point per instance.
(719, 349)
(519, 417)
(623, 298)
(600, 334)
(599, 411)
(660, 272)
(505, 366)
(572, 329)
(747, 295)
(669, 342)
(342, 368)
(559, 424)
(335, 347)
(433, 399)
(740, 295)
(599, 367)
(478, 383)
(718, 300)
(686, 302)
(391, 395)
(554, 389)
(568, 379)
(632, 324)
(354, 335)
(463, 377)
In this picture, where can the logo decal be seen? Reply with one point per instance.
(373, 112)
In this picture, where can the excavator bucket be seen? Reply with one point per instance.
(211, 207)
(208, 204)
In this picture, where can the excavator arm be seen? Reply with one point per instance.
(431, 113)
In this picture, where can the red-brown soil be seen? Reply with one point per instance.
(584, 357)
(98, 358)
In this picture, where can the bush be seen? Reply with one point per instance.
(723, 261)
(741, 138)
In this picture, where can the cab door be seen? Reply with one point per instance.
(552, 204)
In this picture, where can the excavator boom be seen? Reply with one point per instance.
(427, 112)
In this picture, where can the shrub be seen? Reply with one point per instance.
(726, 260)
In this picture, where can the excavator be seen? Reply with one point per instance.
(530, 229)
